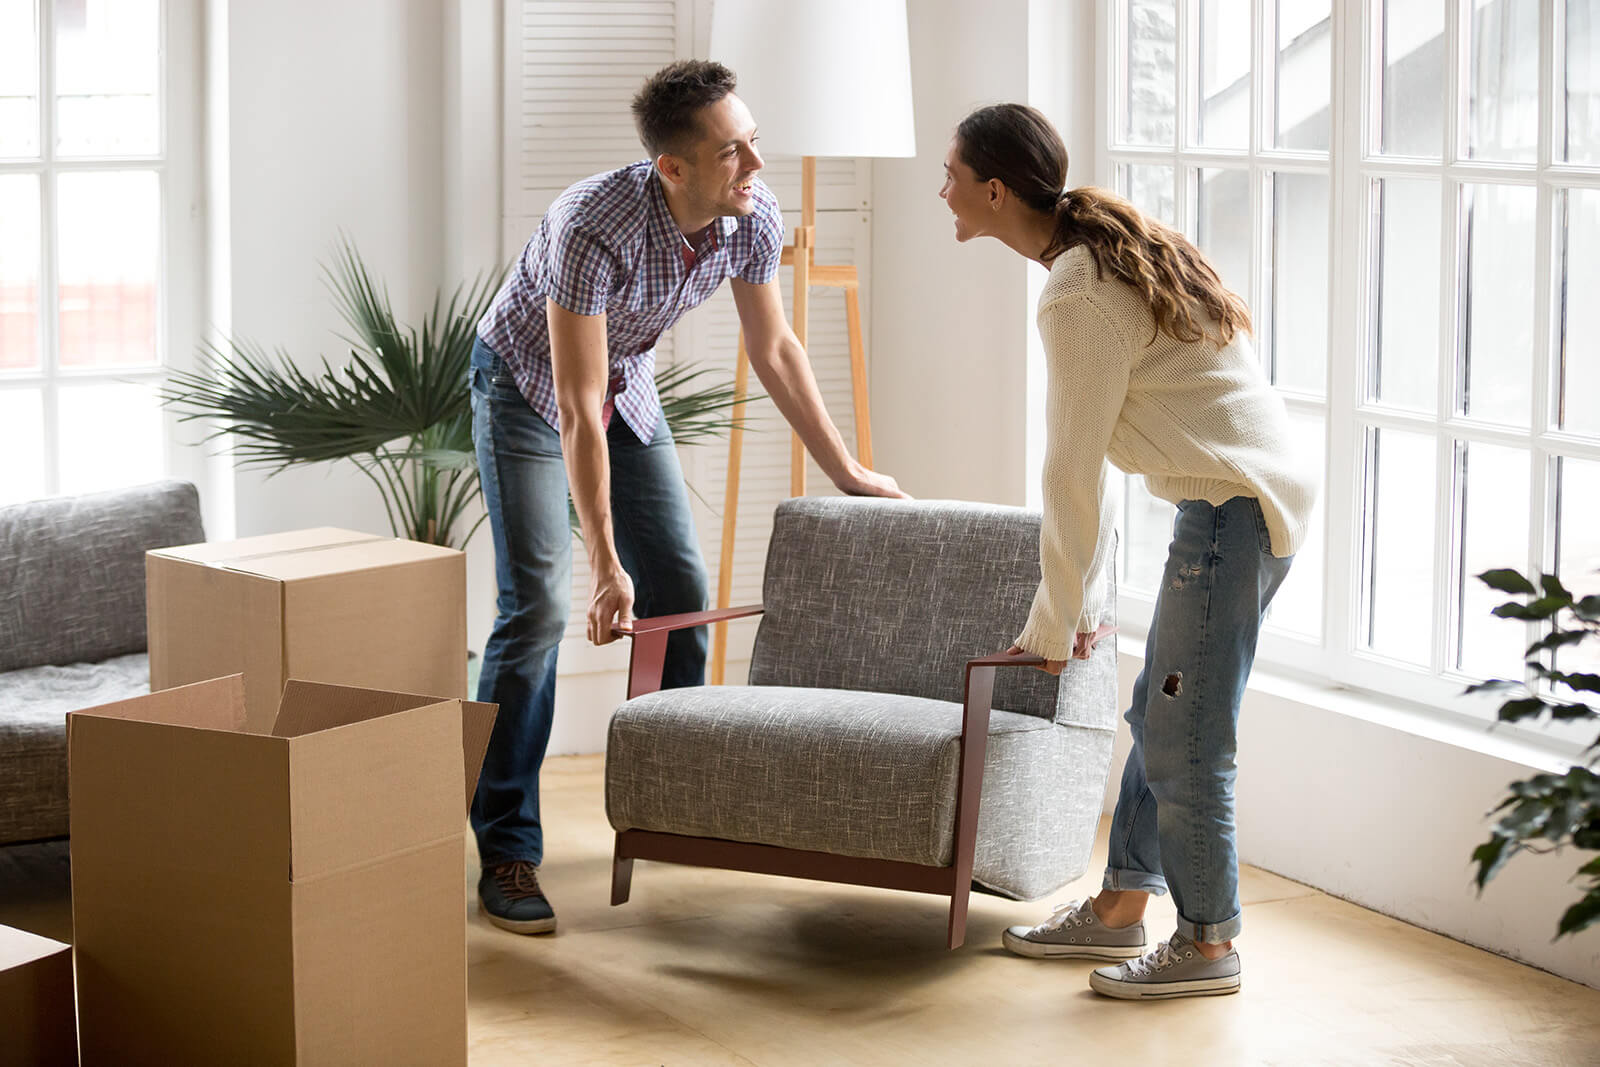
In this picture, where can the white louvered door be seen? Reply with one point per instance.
(571, 69)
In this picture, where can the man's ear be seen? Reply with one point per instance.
(671, 168)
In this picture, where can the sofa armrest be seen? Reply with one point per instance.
(649, 653)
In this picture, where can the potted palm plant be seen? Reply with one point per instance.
(399, 410)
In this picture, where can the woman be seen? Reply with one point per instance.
(1150, 368)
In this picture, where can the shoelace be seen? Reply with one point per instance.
(1070, 913)
(518, 880)
(1163, 956)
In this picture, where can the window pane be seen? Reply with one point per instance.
(21, 430)
(108, 226)
(1580, 313)
(1224, 68)
(1400, 489)
(91, 416)
(19, 79)
(108, 64)
(1407, 254)
(1305, 45)
(1497, 357)
(1503, 97)
(1413, 79)
(1581, 83)
(19, 271)
(1298, 605)
(1147, 533)
(1578, 545)
(1299, 283)
(1494, 533)
(1150, 99)
(1149, 188)
(1222, 225)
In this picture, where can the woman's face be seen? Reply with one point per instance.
(967, 196)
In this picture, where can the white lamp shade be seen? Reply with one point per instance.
(821, 77)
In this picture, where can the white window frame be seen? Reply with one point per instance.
(1352, 164)
(180, 267)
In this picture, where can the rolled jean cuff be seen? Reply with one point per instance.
(1212, 933)
(1125, 879)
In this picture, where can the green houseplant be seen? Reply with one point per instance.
(399, 410)
(1549, 811)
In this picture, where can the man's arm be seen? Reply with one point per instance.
(785, 372)
(578, 366)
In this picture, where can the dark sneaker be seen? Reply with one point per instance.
(509, 896)
(1174, 969)
(1075, 932)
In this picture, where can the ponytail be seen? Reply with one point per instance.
(1017, 145)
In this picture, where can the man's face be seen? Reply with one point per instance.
(720, 168)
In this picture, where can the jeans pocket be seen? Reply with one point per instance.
(1262, 533)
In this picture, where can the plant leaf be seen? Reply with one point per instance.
(1507, 580)
(1581, 915)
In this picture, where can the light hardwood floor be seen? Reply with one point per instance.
(712, 967)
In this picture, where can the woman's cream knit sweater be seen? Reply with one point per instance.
(1198, 421)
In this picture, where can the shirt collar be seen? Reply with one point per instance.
(664, 232)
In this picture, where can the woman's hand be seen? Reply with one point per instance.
(1082, 648)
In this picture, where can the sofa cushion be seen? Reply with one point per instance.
(851, 773)
(896, 596)
(72, 571)
(33, 736)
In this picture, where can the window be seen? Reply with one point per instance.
(1407, 193)
(93, 209)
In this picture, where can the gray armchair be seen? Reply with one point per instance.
(880, 711)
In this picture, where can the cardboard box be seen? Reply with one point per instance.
(37, 1024)
(324, 605)
(292, 896)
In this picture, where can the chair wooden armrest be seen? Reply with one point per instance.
(650, 642)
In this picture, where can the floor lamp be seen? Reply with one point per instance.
(823, 78)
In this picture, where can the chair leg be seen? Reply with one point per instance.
(621, 875)
(958, 915)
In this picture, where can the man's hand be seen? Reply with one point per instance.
(859, 481)
(1082, 648)
(610, 604)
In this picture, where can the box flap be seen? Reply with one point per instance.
(477, 723)
(341, 559)
(18, 947)
(215, 704)
(309, 707)
(371, 789)
(216, 552)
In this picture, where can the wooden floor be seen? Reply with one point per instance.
(709, 967)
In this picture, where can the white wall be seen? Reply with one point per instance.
(949, 322)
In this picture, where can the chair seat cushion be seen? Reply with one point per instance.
(827, 770)
(33, 736)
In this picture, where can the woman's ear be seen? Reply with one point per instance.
(997, 193)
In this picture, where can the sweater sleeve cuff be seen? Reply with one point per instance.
(1050, 647)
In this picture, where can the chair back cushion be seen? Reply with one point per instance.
(896, 596)
(72, 571)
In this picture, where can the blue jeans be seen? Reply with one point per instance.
(524, 483)
(1173, 827)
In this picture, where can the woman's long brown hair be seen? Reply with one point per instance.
(1017, 145)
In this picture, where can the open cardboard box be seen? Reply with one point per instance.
(289, 895)
(325, 605)
(37, 1026)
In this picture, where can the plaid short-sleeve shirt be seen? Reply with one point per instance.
(609, 244)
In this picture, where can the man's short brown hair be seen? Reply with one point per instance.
(666, 109)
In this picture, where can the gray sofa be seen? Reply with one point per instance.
(866, 739)
(72, 629)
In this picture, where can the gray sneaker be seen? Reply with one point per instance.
(1174, 969)
(1075, 932)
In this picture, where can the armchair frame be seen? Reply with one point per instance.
(955, 881)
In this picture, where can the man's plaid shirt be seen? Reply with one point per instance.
(609, 244)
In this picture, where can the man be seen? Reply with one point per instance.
(563, 394)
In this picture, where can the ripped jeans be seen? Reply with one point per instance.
(1173, 827)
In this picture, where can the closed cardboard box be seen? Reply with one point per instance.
(36, 1018)
(325, 605)
(288, 896)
